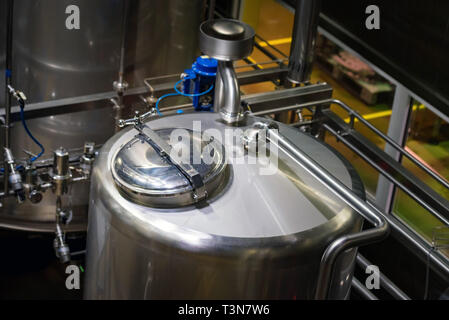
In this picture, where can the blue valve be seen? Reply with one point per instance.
(199, 79)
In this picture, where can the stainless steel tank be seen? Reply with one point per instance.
(52, 63)
(255, 237)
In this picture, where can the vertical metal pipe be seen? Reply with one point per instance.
(397, 131)
(211, 10)
(235, 9)
(227, 92)
(61, 162)
(8, 67)
(126, 6)
(121, 85)
(303, 40)
(61, 171)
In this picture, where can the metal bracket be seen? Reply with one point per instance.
(164, 150)
(138, 119)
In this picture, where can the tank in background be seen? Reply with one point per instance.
(51, 63)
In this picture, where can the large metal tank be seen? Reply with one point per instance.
(54, 65)
(257, 236)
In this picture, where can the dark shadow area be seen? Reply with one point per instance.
(30, 270)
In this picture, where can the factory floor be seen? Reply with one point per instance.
(274, 24)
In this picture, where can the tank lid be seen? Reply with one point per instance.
(146, 175)
(226, 39)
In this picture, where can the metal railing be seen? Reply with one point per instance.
(333, 251)
(341, 136)
(362, 290)
(354, 114)
(385, 282)
(440, 263)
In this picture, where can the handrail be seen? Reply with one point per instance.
(390, 177)
(355, 114)
(362, 290)
(393, 143)
(424, 249)
(332, 252)
(385, 282)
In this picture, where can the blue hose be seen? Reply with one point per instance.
(159, 100)
(191, 94)
(22, 117)
(178, 93)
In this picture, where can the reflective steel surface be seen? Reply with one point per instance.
(226, 39)
(151, 179)
(262, 237)
(303, 40)
(80, 62)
